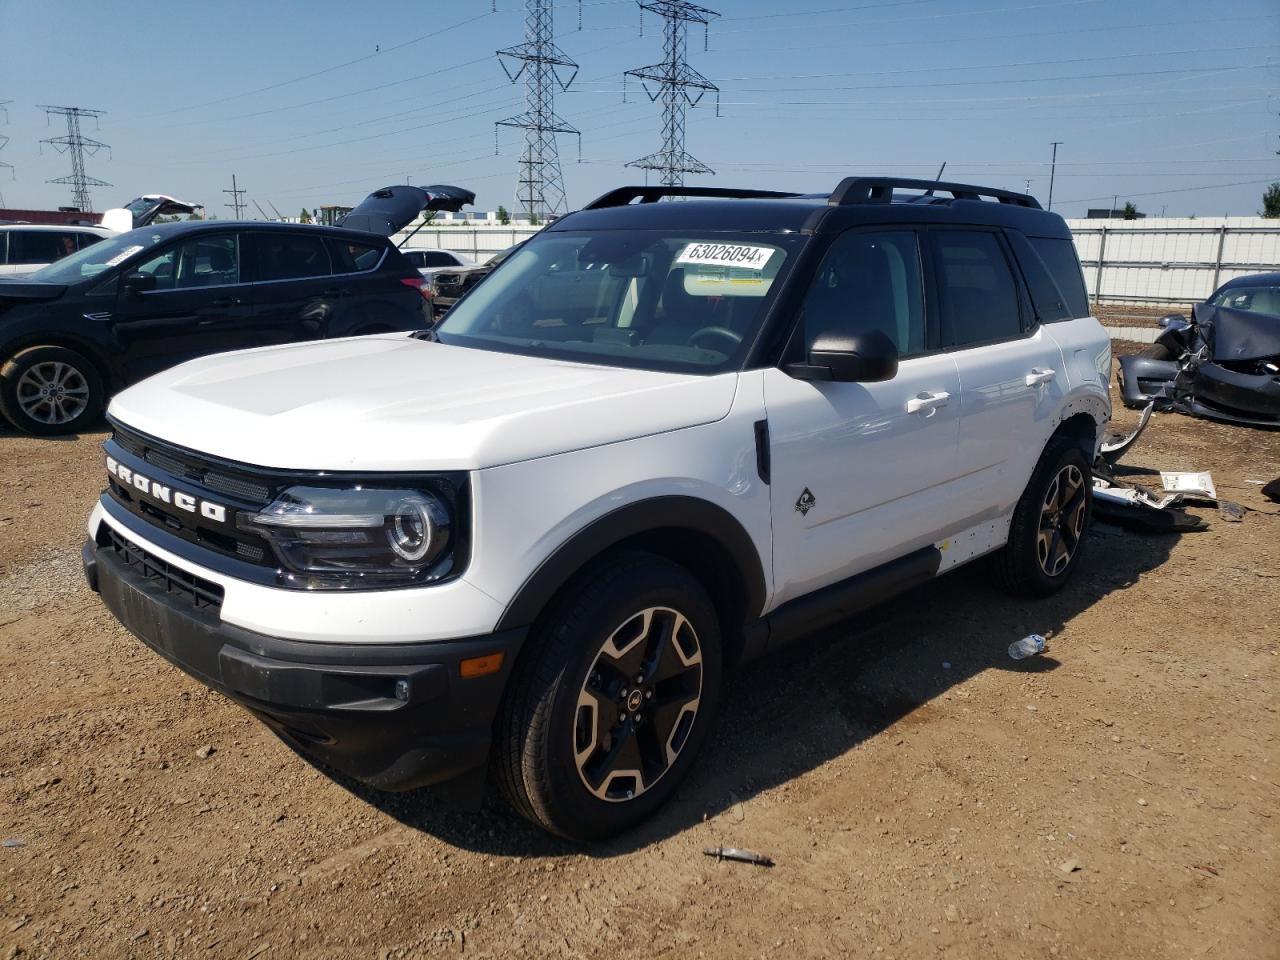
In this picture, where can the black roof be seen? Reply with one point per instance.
(181, 227)
(855, 201)
(1251, 280)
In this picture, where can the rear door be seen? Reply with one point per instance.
(200, 305)
(862, 472)
(295, 292)
(1011, 371)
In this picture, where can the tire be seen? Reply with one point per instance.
(27, 375)
(1033, 562)
(1157, 351)
(563, 757)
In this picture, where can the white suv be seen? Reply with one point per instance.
(661, 439)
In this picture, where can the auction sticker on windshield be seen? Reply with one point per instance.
(726, 255)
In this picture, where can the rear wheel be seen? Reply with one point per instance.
(1047, 534)
(50, 390)
(612, 701)
(1156, 351)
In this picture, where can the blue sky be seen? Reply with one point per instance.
(1171, 104)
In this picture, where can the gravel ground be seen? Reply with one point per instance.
(921, 793)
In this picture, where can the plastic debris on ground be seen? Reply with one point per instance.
(741, 856)
(1185, 482)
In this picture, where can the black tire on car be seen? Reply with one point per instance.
(1048, 532)
(612, 698)
(50, 390)
(1156, 351)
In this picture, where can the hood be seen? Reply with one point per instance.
(1239, 334)
(144, 210)
(391, 209)
(397, 403)
(27, 290)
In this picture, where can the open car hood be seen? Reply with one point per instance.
(144, 210)
(1239, 334)
(391, 209)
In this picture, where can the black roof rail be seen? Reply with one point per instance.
(855, 190)
(624, 195)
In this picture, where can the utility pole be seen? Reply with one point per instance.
(4, 140)
(77, 145)
(544, 67)
(236, 203)
(679, 87)
(1053, 168)
(1028, 190)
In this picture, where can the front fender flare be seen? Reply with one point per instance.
(644, 516)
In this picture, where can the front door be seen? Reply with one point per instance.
(199, 306)
(861, 472)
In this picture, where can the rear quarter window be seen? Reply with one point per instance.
(1059, 256)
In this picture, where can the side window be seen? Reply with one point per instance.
(290, 256)
(40, 246)
(208, 262)
(1049, 303)
(350, 257)
(205, 261)
(89, 239)
(978, 297)
(1064, 266)
(438, 258)
(869, 281)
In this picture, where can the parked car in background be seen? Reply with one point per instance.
(448, 286)
(26, 247)
(144, 210)
(430, 261)
(1222, 363)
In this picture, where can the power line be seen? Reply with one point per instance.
(76, 145)
(237, 202)
(677, 84)
(544, 67)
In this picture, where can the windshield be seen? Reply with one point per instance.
(93, 260)
(660, 300)
(1262, 298)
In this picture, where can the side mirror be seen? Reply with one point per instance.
(138, 282)
(867, 357)
(1169, 318)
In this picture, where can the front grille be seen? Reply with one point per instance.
(201, 594)
(190, 466)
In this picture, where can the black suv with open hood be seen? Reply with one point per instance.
(81, 329)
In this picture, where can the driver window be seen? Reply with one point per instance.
(869, 281)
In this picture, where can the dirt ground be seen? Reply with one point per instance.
(921, 793)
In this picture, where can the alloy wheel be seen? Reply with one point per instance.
(638, 704)
(53, 392)
(1061, 520)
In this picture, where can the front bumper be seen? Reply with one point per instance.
(394, 716)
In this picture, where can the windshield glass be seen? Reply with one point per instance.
(686, 302)
(1255, 299)
(93, 260)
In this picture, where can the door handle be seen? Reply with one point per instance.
(1039, 375)
(333, 292)
(225, 302)
(928, 403)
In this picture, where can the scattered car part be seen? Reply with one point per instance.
(1117, 445)
(1186, 482)
(1136, 509)
(742, 856)
(1272, 490)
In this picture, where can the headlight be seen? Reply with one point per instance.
(357, 538)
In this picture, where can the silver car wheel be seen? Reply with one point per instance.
(53, 392)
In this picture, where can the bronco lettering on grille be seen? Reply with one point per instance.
(165, 494)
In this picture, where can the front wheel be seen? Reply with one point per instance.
(1047, 533)
(50, 390)
(613, 699)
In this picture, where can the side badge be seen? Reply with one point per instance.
(806, 501)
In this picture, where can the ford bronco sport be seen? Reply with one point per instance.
(661, 439)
